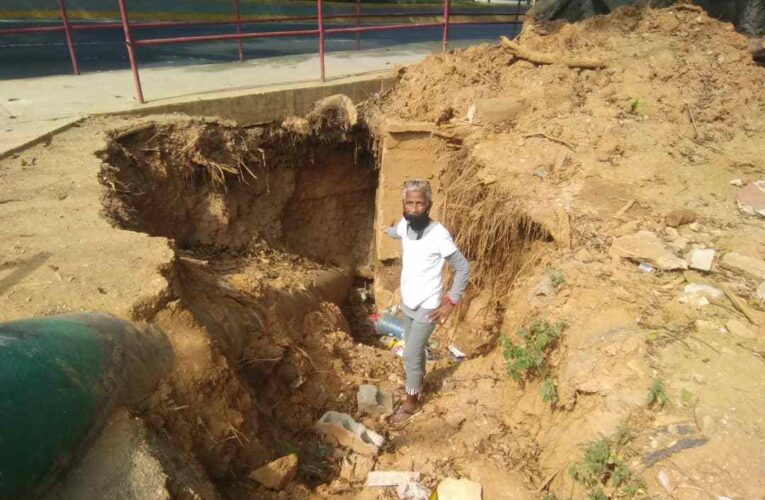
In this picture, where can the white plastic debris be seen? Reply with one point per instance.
(384, 478)
(412, 491)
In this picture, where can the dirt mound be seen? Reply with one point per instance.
(670, 117)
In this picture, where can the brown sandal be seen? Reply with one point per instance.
(401, 415)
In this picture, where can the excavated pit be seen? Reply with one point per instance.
(273, 228)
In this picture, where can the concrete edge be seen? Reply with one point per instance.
(40, 138)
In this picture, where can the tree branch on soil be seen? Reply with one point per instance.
(540, 58)
(558, 140)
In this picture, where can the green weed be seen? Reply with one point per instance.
(556, 278)
(635, 105)
(657, 396)
(529, 359)
(603, 466)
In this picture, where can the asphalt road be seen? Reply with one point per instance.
(34, 55)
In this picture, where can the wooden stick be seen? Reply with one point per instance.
(739, 305)
(693, 121)
(624, 209)
(569, 145)
(540, 58)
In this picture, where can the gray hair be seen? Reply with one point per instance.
(419, 185)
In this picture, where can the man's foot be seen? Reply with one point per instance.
(405, 410)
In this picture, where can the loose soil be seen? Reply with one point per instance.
(243, 246)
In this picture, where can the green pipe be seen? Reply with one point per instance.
(60, 379)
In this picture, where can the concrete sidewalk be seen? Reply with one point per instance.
(34, 107)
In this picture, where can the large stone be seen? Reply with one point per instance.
(277, 474)
(495, 110)
(459, 489)
(743, 264)
(645, 246)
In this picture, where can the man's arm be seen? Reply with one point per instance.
(392, 232)
(461, 267)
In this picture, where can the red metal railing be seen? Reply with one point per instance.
(321, 31)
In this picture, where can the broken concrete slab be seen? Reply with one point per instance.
(743, 264)
(372, 401)
(345, 431)
(751, 198)
(677, 218)
(495, 110)
(701, 259)
(277, 474)
(701, 290)
(645, 246)
(459, 489)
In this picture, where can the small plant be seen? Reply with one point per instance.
(656, 394)
(635, 105)
(603, 467)
(530, 359)
(556, 278)
(549, 392)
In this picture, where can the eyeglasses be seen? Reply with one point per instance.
(416, 182)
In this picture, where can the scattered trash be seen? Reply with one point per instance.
(388, 324)
(456, 354)
(372, 401)
(645, 267)
(277, 474)
(459, 489)
(736, 182)
(384, 478)
(412, 491)
(751, 199)
(701, 259)
(684, 444)
(349, 433)
(677, 218)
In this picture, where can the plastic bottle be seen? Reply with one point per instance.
(387, 324)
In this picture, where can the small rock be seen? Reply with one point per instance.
(663, 477)
(355, 468)
(583, 255)
(705, 326)
(459, 489)
(677, 218)
(646, 246)
(701, 290)
(454, 419)
(761, 291)
(751, 199)
(679, 244)
(736, 182)
(672, 233)
(695, 227)
(743, 264)
(737, 328)
(545, 287)
(277, 474)
(707, 423)
(701, 259)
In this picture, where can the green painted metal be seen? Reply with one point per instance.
(60, 378)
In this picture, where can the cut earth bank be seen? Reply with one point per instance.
(252, 249)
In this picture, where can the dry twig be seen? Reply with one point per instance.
(541, 58)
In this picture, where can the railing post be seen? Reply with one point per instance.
(131, 53)
(239, 29)
(320, 15)
(358, 24)
(445, 42)
(68, 34)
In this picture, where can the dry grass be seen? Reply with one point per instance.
(489, 227)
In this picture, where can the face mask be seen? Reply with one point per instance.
(418, 222)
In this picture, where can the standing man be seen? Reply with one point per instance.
(426, 245)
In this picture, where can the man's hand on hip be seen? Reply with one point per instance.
(440, 314)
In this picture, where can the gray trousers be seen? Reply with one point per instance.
(416, 335)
